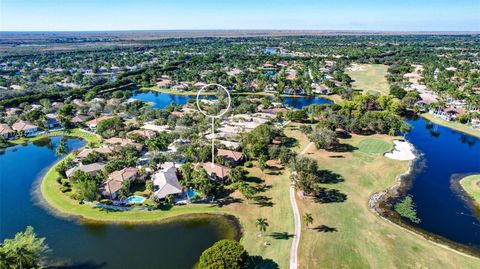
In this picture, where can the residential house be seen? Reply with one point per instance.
(25, 127)
(165, 182)
(113, 184)
(78, 102)
(164, 83)
(321, 89)
(154, 127)
(216, 172)
(234, 157)
(92, 124)
(51, 121)
(143, 133)
(6, 132)
(83, 153)
(80, 118)
(91, 169)
(123, 142)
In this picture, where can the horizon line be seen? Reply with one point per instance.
(247, 30)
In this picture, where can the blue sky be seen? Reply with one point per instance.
(390, 15)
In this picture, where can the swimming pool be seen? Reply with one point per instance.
(135, 199)
(191, 193)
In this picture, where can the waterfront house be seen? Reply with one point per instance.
(321, 89)
(199, 85)
(25, 127)
(91, 169)
(165, 182)
(6, 132)
(51, 121)
(164, 83)
(83, 153)
(113, 184)
(216, 172)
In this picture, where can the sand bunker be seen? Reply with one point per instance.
(403, 151)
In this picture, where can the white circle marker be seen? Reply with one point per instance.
(213, 116)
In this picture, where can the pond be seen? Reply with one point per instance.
(161, 100)
(75, 244)
(445, 152)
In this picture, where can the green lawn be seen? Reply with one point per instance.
(370, 78)
(471, 185)
(272, 204)
(374, 145)
(347, 234)
(452, 124)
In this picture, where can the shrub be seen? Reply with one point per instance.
(225, 254)
(248, 164)
(406, 209)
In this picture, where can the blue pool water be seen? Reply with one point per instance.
(135, 199)
(191, 193)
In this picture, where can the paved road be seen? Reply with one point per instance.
(297, 222)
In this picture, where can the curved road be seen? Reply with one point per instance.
(297, 222)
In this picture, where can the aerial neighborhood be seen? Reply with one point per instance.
(312, 146)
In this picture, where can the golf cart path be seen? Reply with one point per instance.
(296, 219)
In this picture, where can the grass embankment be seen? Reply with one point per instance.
(452, 124)
(71, 133)
(471, 185)
(347, 234)
(370, 78)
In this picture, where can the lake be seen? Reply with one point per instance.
(176, 244)
(161, 100)
(445, 152)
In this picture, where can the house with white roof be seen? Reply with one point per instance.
(165, 182)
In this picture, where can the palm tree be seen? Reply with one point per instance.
(308, 219)
(262, 225)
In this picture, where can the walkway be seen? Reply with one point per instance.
(296, 220)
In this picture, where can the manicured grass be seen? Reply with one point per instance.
(371, 78)
(471, 185)
(348, 234)
(374, 145)
(272, 204)
(452, 124)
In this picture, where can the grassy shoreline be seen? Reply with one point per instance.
(471, 185)
(453, 125)
(90, 138)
